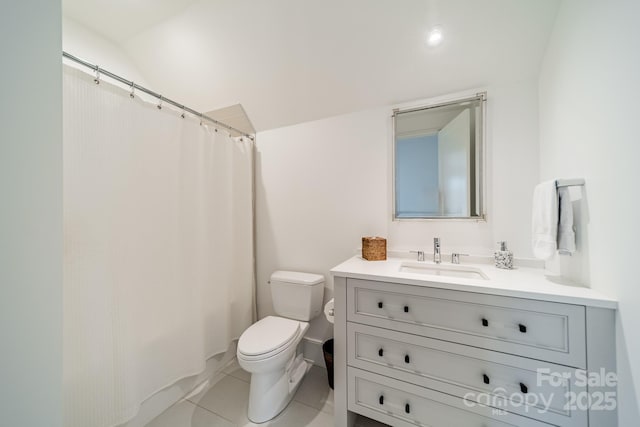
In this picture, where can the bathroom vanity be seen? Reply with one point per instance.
(442, 345)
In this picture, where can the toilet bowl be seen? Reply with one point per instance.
(269, 349)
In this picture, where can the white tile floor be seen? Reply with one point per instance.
(224, 404)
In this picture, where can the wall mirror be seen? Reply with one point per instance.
(438, 167)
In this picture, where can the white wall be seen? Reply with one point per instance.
(31, 214)
(589, 92)
(86, 44)
(320, 187)
(323, 185)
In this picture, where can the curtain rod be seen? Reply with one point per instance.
(135, 86)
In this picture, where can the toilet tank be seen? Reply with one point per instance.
(297, 295)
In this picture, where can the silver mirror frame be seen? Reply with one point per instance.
(480, 96)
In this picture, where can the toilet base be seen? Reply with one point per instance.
(271, 392)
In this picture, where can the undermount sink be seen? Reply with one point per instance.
(442, 270)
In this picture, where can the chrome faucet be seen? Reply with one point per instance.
(455, 257)
(437, 258)
(420, 255)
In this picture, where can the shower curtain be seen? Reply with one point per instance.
(158, 248)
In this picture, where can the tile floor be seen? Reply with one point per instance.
(224, 404)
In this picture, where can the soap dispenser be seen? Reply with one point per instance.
(503, 256)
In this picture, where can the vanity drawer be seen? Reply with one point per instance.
(540, 330)
(403, 405)
(482, 375)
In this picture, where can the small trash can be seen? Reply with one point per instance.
(327, 349)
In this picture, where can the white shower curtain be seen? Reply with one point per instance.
(158, 248)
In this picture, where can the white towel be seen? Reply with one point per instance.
(566, 234)
(545, 220)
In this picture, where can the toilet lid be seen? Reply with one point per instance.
(268, 335)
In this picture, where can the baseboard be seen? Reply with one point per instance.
(312, 351)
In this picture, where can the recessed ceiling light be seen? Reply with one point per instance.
(434, 38)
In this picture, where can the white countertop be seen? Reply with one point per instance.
(521, 282)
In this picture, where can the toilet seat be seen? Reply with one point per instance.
(268, 337)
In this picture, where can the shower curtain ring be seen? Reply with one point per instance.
(97, 79)
(133, 89)
(160, 103)
(200, 119)
(182, 115)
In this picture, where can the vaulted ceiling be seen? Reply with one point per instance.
(290, 61)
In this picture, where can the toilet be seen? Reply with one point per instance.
(268, 349)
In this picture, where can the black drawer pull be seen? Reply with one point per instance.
(381, 400)
(522, 328)
(406, 308)
(485, 378)
(406, 359)
(379, 304)
(380, 352)
(407, 408)
(524, 389)
(485, 322)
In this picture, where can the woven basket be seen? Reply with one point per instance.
(374, 248)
